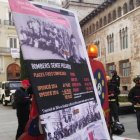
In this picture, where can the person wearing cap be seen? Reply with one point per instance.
(115, 80)
(113, 115)
(22, 101)
(112, 96)
(134, 98)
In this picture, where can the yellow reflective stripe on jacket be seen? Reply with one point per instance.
(137, 106)
(112, 100)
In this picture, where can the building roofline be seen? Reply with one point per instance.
(76, 2)
(96, 11)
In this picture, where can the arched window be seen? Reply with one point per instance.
(114, 14)
(124, 38)
(137, 3)
(97, 43)
(131, 5)
(125, 9)
(97, 25)
(109, 17)
(121, 42)
(119, 11)
(87, 31)
(110, 42)
(84, 32)
(101, 23)
(93, 27)
(90, 29)
(105, 20)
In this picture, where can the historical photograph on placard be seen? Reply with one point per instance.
(47, 40)
(66, 122)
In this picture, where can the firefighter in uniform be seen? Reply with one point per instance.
(116, 80)
(22, 101)
(112, 95)
(134, 97)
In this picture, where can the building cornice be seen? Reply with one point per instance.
(116, 20)
(83, 4)
(96, 11)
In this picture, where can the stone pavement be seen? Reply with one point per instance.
(130, 125)
(8, 125)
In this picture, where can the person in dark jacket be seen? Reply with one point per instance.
(134, 97)
(115, 78)
(22, 101)
(116, 81)
(112, 95)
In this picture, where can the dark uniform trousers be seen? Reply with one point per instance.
(138, 118)
(114, 110)
(22, 101)
(114, 115)
(22, 121)
(134, 97)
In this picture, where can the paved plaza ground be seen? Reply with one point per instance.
(8, 125)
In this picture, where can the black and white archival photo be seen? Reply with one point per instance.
(44, 39)
(70, 121)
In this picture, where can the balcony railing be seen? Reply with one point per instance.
(8, 22)
(15, 52)
(5, 50)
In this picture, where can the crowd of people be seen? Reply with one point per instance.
(48, 36)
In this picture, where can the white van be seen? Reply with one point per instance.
(7, 90)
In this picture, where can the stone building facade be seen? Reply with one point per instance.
(9, 45)
(114, 27)
(81, 7)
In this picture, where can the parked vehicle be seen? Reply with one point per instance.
(7, 90)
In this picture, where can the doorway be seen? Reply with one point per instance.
(13, 72)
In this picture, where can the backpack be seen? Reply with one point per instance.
(117, 128)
